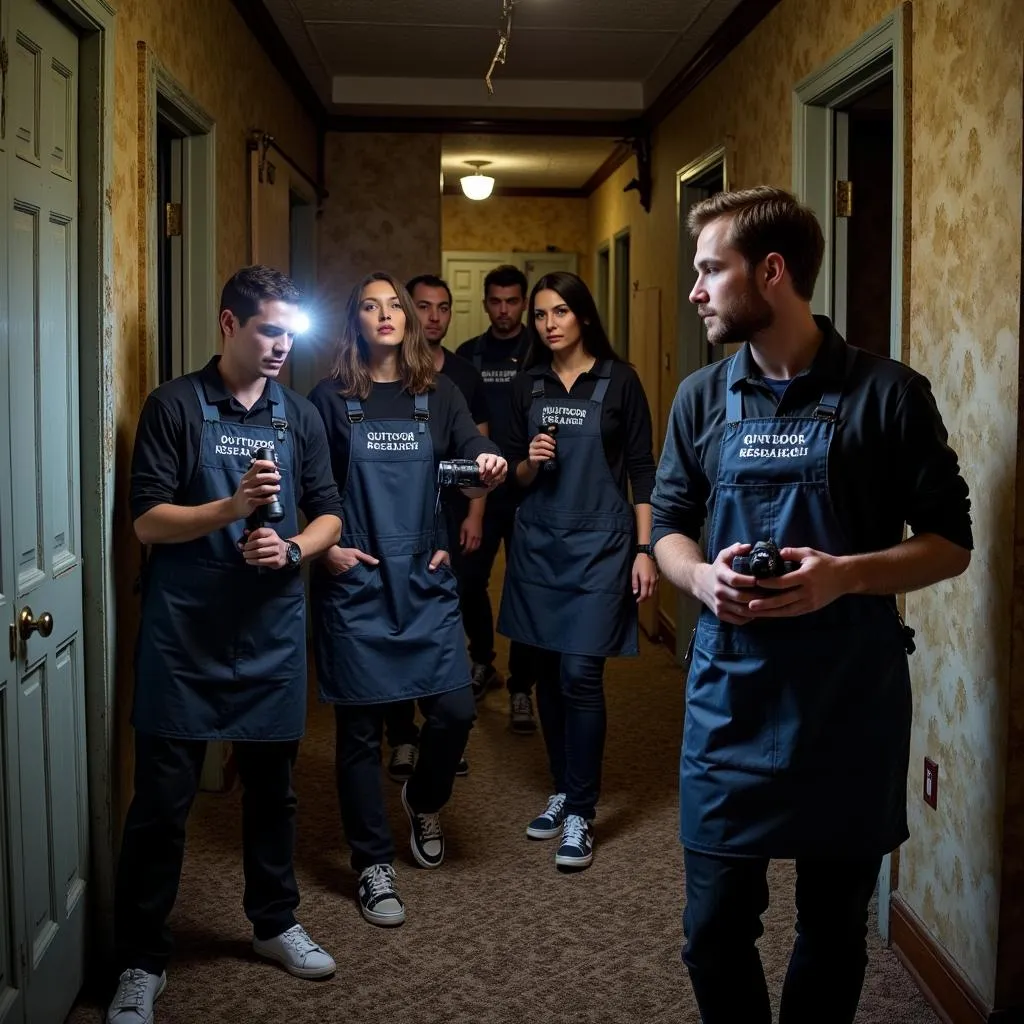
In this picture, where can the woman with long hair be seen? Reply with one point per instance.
(581, 558)
(385, 604)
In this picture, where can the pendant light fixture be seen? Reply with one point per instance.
(477, 186)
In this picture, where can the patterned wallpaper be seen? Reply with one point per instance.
(384, 212)
(964, 333)
(508, 223)
(239, 91)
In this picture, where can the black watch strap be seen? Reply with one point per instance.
(645, 549)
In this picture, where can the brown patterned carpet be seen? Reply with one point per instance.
(497, 934)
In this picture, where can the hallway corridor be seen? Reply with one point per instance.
(489, 935)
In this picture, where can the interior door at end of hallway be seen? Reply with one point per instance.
(43, 545)
(465, 274)
(536, 265)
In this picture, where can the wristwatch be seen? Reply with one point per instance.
(645, 549)
(293, 555)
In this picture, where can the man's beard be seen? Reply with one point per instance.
(744, 318)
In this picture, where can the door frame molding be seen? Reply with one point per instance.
(164, 95)
(691, 352)
(98, 344)
(877, 53)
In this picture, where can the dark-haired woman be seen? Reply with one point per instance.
(385, 604)
(581, 559)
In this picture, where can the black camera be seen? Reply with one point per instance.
(272, 513)
(551, 429)
(763, 562)
(458, 473)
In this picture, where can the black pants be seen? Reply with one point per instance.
(167, 775)
(570, 702)
(499, 525)
(725, 898)
(400, 716)
(448, 719)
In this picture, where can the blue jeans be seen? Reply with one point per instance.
(570, 702)
(725, 898)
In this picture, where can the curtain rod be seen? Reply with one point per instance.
(260, 141)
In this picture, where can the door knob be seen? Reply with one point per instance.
(27, 625)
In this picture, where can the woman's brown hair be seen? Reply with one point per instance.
(350, 367)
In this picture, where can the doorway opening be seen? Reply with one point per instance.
(178, 306)
(848, 166)
(696, 182)
(620, 329)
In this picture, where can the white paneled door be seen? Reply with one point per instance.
(43, 798)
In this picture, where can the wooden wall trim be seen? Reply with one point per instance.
(954, 999)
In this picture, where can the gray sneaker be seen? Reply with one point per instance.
(297, 953)
(137, 990)
(520, 713)
(403, 761)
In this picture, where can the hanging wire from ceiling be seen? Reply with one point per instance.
(504, 34)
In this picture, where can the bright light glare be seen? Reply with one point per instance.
(301, 323)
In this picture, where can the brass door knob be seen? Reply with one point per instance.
(27, 625)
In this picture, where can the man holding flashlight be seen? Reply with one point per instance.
(222, 641)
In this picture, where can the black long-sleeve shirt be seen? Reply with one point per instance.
(453, 433)
(170, 430)
(889, 463)
(626, 433)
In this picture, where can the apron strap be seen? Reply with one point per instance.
(210, 412)
(478, 354)
(733, 394)
(828, 407)
(277, 409)
(538, 388)
(354, 408)
(604, 375)
(421, 411)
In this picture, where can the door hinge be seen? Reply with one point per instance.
(172, 220)
(844, 198)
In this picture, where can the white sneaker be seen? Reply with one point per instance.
(403, 761)
(137, 990)
(297, 953)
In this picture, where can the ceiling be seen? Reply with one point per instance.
(581, 59)
(525, 161)
(593, 66)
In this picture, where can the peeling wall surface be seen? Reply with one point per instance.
(964, 283)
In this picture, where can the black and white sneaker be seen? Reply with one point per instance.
(403, 761)
(577, 847)
(484, 678)
(137, 990)
(378, 898)
(426, 839)
(548, 823)
(462, 768)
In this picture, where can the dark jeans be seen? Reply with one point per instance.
(448, 719)
(570, 702)
(400, 716)
(477, 616)
(725, 898)
(167, 775)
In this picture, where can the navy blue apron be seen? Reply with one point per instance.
(797, 730)
(221, 653)
(392, 631)
(568, 584)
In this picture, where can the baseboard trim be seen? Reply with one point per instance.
(953, 998)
